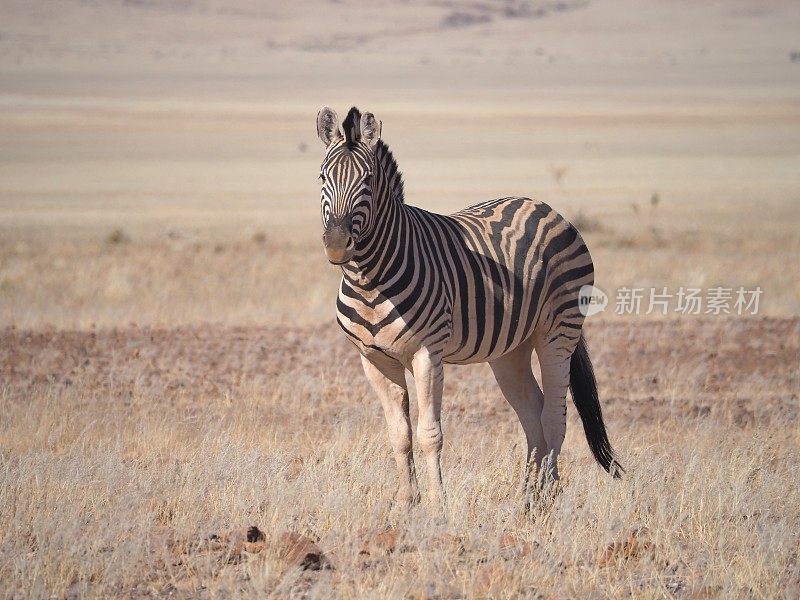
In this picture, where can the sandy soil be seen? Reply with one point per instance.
(651, 371)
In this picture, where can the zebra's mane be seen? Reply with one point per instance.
(384, 156)
(394, 177)
(352, 127)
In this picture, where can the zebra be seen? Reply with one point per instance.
(493, 283)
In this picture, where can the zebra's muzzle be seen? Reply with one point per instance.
(338, 245)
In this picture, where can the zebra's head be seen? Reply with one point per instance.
(346, 177)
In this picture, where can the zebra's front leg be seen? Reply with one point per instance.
(389, 382)
(429, 380)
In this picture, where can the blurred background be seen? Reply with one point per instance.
(158, 159)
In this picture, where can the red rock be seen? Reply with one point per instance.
(486, 575)
(237, 538)
(512, 546)
(381, 541)
(301, 551)
(244, 539)
(294, 468)
(253, 547)
(449, 543)
(631, 547)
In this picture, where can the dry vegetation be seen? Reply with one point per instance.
(168, 271)
(180, 417)
(129, 456)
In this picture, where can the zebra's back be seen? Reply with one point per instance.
(516, 267)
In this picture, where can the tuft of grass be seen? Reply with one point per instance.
(117, 237)
(558, 172)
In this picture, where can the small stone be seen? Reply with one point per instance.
(488, 575)
(300, 551)
(452, 544)
(294, 468)
(513, 547)
(381, 541)
(631, 547)
(253, 547)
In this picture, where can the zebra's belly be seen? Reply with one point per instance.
(377, 352)
(479, 349)
(493, 316)
(377, 337)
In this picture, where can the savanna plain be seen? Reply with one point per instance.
(180, 415)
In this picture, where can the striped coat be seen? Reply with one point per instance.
(476, 284)
(491, 283)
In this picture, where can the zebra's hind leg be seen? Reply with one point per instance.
(554, 360)
(389, 382)
(517, 382)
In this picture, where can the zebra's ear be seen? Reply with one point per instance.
(328, 126)
(370, 129)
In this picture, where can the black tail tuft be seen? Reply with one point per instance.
(584, 395)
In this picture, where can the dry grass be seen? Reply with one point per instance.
(220, 265)
(158, 166)
(114, 478)
(172, 279)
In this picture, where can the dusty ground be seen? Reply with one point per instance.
(650, 371)
(130, 454)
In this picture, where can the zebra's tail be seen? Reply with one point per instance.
(584, 394)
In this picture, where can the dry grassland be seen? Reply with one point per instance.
(179, 416)
(125, 451)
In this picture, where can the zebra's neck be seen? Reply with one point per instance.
(389, 239)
